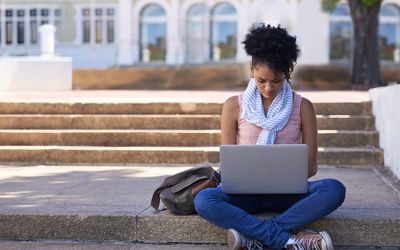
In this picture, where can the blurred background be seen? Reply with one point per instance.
(189, 44)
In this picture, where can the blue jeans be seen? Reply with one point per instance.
(235, 211)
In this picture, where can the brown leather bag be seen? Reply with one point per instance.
(177, 192)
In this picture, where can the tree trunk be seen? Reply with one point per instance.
(366, 62)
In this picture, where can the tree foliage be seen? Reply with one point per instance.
(330, 5)
(369, 3)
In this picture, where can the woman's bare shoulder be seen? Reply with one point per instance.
(307, 111)
(306, 105)
(231, 106)
(232, 102)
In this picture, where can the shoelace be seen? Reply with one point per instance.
(251, 244)
(306, 244)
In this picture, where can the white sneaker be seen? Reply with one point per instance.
(237, 241)
(311, 240)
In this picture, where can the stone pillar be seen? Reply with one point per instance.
(125, 45)
(173, 35)
(243, 22)
(135, 30)
(312, 25)
(292, 16)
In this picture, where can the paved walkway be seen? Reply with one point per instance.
(127, 190)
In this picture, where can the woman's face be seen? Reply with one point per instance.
(268, 82)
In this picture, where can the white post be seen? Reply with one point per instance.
(47, 33)
(125, 48)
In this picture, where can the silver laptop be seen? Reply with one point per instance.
(264, 169)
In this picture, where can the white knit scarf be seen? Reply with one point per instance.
(278, 112)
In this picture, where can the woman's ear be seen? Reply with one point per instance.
(251, 72)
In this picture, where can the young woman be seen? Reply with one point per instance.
(269, 112)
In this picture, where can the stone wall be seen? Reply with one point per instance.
(207, 77)
(213, 77)
(385, 107)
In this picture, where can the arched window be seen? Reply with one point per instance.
(223, 33)
(340, 34)
(153, 33)
(197, 47)
(389, 32)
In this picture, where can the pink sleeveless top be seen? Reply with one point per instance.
(248, 133)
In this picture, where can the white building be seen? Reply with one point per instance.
(107, 33)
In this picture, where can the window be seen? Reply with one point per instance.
(103, 25)
(44, 13)
(9, 26)
(197, 34)
(33, 25)
(153, 33)
(21, 24)
(86, 25)
(223, 34)
(57, 17)
(99, 25)
(110, 25)
(341, 33)
(1, 26)
(389, 32)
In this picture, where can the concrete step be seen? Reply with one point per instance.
(326, 138)
(365, 157)
(111, 203)
(34, 121)
(344, 122)
(348, 138)
(109, 121)
(87, 107)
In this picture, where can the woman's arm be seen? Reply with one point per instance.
(309, 134)
(229, 120)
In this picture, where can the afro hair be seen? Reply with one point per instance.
(272, 46)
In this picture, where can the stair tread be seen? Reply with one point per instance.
(163, 131)
(185, 148)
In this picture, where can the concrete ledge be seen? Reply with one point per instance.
(347, 226)
(35, 73)
(67, 227)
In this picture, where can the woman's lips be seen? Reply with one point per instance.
(269, 93)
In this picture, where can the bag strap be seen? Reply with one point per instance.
(155, 200)
(172, 180)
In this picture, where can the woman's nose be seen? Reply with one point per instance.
(267, 87)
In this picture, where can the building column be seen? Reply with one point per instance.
(125, 45)
(173, 35)
(243, 23)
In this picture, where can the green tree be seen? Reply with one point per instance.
(365, 70)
